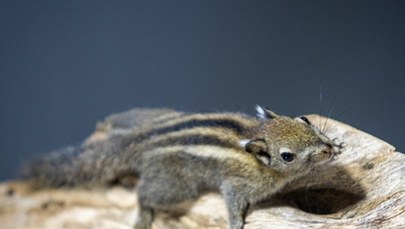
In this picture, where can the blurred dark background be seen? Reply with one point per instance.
(66, 64)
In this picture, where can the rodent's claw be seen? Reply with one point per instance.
(339, 146)
(336, 141)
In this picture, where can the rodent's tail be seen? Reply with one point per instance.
(97, 164)
(57, 169)
(102, 159)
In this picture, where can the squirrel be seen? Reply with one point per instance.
(178, 156)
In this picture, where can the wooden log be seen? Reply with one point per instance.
(363, 188)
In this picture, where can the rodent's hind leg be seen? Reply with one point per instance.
(143, 218)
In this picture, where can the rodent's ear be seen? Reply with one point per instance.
(258, 148)
(255, 146)
(265, 113)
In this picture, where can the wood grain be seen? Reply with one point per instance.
(364, 187)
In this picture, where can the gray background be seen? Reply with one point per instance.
(66, 64)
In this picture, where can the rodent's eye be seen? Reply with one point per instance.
(305, 119)
(288, 157)
(286, 154)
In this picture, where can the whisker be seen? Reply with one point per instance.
(321, 105)
(337, 116)
(329, 113)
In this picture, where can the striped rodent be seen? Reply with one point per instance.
(178, 156)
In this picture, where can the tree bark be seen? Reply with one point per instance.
(364, 187)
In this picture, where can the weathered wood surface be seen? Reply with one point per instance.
(363, 188)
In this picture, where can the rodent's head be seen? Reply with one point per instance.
(289, 145)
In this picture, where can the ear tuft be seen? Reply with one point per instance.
(265, 113)
(244, 142)
(260, 112)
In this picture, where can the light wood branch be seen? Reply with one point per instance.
(363, 188)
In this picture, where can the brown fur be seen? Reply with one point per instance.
(177, 157)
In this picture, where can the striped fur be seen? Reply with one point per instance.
(134, 131)
(179, 156)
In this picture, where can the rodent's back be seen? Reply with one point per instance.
(113, 150)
